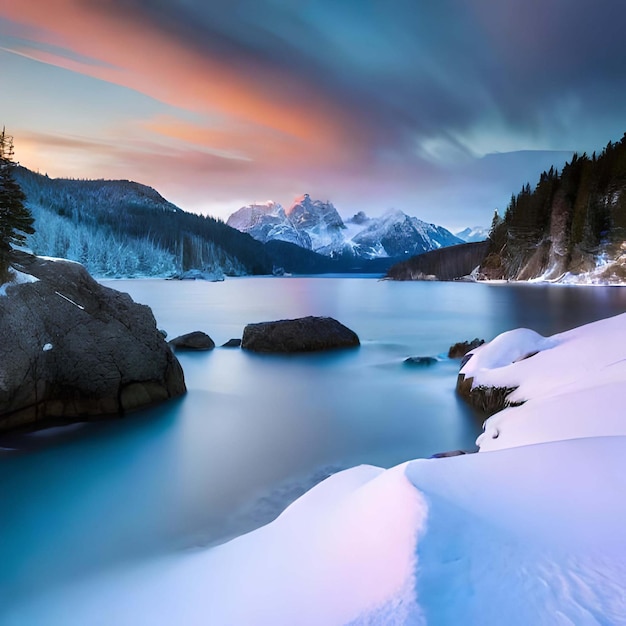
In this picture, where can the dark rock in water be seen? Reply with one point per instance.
(73, 350)
(460, 349)
(196, 340)
(305, 334)
(420, 361)
(232, 343)
(449, 453)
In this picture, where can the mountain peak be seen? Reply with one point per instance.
(316, 225)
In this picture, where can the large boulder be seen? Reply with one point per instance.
(73, 350)
(305, 334)
(197, 340)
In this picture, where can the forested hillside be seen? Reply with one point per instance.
(123, 228)
(572, 223)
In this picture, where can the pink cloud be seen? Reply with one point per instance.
(138, 57)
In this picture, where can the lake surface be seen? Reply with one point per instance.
(254, 432)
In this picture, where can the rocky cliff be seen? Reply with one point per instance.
(73, 350)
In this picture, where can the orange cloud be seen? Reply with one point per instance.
(251, 121)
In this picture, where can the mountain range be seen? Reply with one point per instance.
(473, 234)
(121, 228)
(317, 226)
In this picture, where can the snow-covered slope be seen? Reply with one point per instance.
(530, 533)
(317, 226)
(473, 233)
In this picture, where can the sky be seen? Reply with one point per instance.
(441, 109)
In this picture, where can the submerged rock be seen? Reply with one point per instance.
(196, 340)
(459, 350)
(420, 361)
(73, 350)
(232, 343)
(448, 454)
(305, 334)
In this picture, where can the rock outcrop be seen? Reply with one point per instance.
(488, 400)
(196, 340)
(305, 334)
(73, 350)
(460, 349)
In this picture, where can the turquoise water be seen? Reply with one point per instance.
(255, 431)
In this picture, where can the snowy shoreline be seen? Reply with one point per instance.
(528, 531)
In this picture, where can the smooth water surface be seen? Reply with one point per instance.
(255, 431)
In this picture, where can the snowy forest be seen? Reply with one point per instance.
(125, 229)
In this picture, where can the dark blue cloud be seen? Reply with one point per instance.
(410, 69)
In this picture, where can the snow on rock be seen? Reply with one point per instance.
(572, 387)
(505, 349)
(47, 347)
(18, 278)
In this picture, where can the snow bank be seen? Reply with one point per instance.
(572, 387)
(343, 550)
(529, 535)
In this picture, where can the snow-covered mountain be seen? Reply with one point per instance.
(397, 234)
(473, 233)
(317, 226)
(267, 221)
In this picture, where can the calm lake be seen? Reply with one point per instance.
(254, 432)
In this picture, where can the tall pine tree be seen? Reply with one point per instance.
(15, 219)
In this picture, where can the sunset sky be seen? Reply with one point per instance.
(441, 109)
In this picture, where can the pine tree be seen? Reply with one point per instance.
(15, 219)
